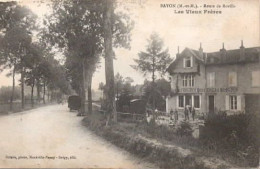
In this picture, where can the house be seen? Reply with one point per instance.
(226, 80)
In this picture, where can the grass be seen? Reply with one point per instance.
(124, 135)
(167, 136)
(17, 107)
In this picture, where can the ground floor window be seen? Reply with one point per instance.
(196, 101)
(181, 101)
(191, 100)
(233, 102)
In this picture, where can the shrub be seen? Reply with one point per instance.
(184, 129)
(240, 127)
(236, 134)
(6, 92)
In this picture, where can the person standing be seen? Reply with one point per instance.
(185, 113)
(193, 113)
(188, 112)
(171, 114)
(176, 115)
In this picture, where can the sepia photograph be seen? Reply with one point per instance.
(131, 84)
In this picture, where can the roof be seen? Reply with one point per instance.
(222, 57)
(193, 52)
(233, 56)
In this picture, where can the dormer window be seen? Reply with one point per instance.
(187, 62)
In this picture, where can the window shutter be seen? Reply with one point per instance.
(227, 102)
(177, 102)
(184, 62)
(235, 78)
(239, 103)
(200, 100)
(192, 100)
(167, 104)
(208, 79)
(191, 61)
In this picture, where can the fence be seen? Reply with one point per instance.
(130, 116)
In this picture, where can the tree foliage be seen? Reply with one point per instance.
(17, 24)
(161, 89)
(123, 86)
(78, 28)
(155, 59)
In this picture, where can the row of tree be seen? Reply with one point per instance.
(31, 59)
(86, 30)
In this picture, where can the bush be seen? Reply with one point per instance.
(240, 127)
(6, 92)
(234, 134)
(184, 129)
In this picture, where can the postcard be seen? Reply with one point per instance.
(129, 84)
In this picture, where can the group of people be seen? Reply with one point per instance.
(188, 110)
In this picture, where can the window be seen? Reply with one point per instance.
(233, 102)
(211, 79)
(232, 79)
(255, 78)
(184, 81)
(188, 80)
(181, 101)
(191, 80)
(187, 62)
(196, 101)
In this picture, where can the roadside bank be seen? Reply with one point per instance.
(163, 153)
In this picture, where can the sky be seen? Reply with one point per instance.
(183, 30)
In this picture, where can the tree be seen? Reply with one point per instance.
(78, 32)
(16, 25)
(123, 85)
(109, 67)
(154, 60)
(117, 27)
(162, 89)
(84, 29)
(15, 45)
(33, 67)
(118, 84)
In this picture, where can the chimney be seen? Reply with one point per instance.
(201, 52)
(223, 53)
(178, 54)
(205, 58)
(242, 52)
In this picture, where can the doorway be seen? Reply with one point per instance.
(188, 100)
(211, 103)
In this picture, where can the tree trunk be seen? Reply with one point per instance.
(12, 96)
(44, 90)
(32, 101)
(48, 95)
(38, 90)
(109, 69)
(89, 93)
(153, 91)
(51, 96)
(82, 88)
(22, 86)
